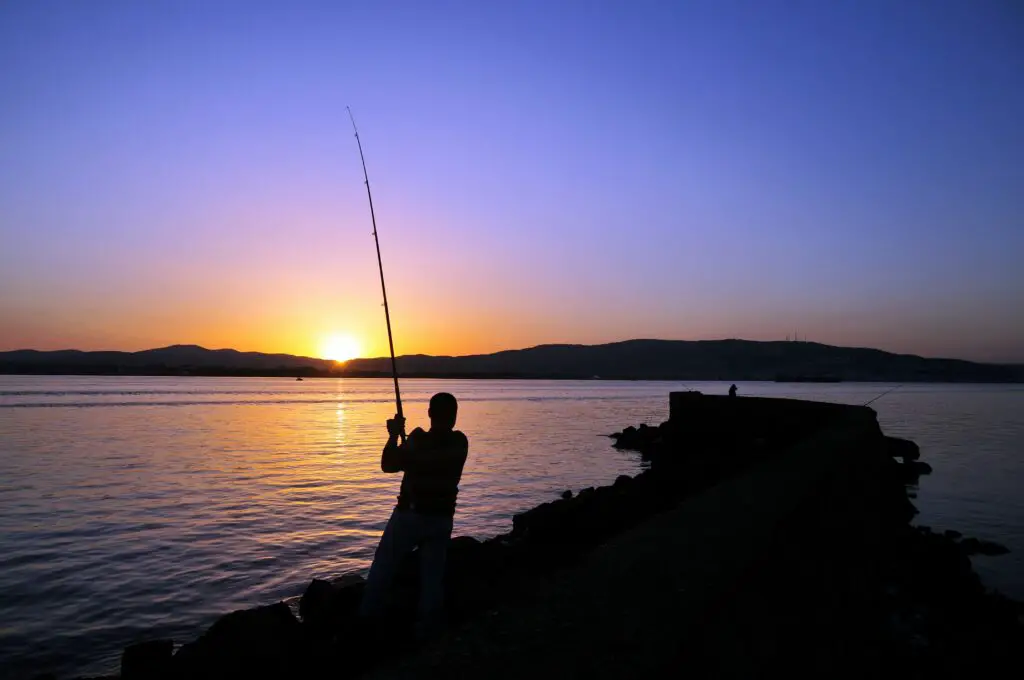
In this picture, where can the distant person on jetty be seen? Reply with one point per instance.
(432, 462)
(732, 391)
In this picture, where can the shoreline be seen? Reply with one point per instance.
(707, 446)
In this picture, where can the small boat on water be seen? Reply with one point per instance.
(299, 378)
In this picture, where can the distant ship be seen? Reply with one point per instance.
(299, 378)
(808, 378)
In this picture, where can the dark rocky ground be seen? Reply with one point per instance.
(767, 536)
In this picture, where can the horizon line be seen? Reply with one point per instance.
(786, 340)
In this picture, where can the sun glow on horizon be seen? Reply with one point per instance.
(340, 347)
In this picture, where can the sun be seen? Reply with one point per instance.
(339, 348)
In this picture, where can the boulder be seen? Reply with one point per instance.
(474, 576)
(463, 550)
(148, 660)
(567, 494)
(975, 546)
(627, 439)
(912, 470)
(247, 643)
(536, 523)
(919, 468)
(939, 570)
(642, 438)
(326, 605)
(314, 601)
(902, 448)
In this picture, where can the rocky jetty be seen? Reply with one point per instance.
(875, 592)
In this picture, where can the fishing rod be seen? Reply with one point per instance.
(871, 401)
(380, 266)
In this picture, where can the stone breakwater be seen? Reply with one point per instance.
(799, 553)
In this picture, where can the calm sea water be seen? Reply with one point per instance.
(143, 507)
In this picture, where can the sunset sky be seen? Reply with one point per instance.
(184, 172)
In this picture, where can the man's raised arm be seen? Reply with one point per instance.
(392, 459)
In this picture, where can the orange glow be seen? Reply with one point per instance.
(339, 347)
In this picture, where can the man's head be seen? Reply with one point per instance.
(442, 411)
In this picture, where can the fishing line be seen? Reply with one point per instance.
(871, 401)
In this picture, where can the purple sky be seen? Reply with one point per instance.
(183, 172)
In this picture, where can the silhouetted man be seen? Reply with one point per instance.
(432, 462)
(732, 391)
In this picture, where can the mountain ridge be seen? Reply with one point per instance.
(637, 359)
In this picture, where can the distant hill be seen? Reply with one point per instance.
(699, 360)
(173, 360)
(630, 360)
